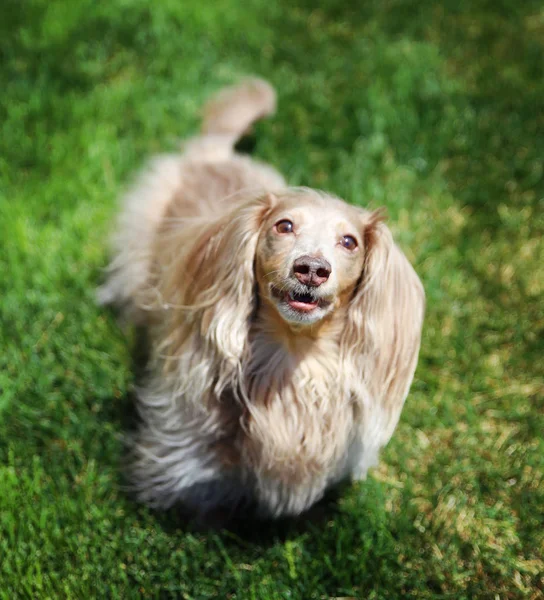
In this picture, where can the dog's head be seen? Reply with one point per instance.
(310, 255)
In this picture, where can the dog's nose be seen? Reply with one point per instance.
(312, 270)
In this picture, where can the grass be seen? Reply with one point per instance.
(433, 110)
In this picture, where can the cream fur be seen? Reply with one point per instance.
(251, 399)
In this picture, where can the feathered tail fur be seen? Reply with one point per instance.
(229, 115)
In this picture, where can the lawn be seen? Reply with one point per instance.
(433, 110)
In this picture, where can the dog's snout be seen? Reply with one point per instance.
(312, 270)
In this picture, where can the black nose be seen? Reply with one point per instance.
(312, 270)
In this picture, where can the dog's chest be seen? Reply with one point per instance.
(298, 415)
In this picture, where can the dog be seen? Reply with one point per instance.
(284, 325)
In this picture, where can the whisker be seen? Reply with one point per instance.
(272, 272)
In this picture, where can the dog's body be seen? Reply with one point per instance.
(285, 325)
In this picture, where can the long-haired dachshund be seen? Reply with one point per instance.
(284, 323)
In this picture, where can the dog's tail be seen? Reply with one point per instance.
(234, 109)
(229, 115)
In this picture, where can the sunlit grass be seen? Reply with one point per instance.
(431, 110)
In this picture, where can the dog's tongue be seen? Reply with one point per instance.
(301, 302)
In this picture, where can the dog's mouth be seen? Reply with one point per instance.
(302, 302)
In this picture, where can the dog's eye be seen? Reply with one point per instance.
(349, 242)
(284, 226)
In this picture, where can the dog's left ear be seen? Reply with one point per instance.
(228, 282)
(213, 279)
(382, 334)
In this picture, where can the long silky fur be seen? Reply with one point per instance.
(230, 414)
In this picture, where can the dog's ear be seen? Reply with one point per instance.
(211, 283)
(382, 335)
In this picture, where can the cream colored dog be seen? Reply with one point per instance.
(285, 325)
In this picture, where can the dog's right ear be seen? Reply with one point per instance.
(382, 335)
(210, 283)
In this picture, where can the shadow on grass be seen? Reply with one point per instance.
(242, 526)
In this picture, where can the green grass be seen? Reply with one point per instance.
(434, 110)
